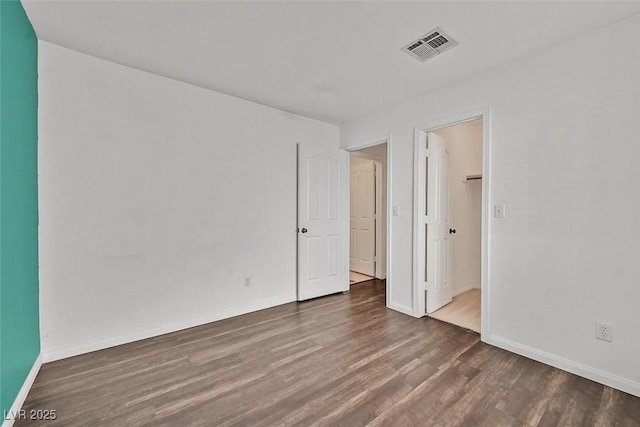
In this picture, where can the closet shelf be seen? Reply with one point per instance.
(472, 178)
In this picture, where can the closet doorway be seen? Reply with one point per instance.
(450, 222)
(368, 193)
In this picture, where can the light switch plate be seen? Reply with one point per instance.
(499, 211)
(396, 210)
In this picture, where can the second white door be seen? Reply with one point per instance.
(322, 221)
(438, 248)
(363, 226)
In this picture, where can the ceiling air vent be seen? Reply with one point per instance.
(431, 44)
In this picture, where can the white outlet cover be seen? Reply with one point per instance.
(604, 331)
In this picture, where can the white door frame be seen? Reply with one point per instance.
(418, 190)
(366, 144)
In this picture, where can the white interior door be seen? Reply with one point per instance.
(322, 221)
(438, 247)
(362, 220)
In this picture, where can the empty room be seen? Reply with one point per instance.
(354, 213)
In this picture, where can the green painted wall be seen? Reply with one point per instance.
(19, 313)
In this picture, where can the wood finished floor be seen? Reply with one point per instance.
(341, 360)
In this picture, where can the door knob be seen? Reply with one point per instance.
(452, 231)
(304, 230)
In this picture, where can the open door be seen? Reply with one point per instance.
(362, 222)
(323, 221)
(438, 248)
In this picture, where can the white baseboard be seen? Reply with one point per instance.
(584, 371)
(22, 394)
(405, 309)
(63, 353)
(465, 289)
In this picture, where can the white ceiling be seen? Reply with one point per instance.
(332, 61)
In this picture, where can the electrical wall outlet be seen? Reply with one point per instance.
(247, 282)
(604, 331)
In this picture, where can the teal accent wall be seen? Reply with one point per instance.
(19, 312)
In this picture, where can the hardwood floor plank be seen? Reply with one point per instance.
(342, 360)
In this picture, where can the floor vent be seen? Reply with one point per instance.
(431, 44)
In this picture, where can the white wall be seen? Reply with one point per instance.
(156, 199)
(564, 159)
(465, 158)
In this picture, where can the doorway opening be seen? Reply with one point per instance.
(450, 222)
(368, 214)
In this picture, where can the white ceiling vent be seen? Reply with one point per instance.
(431, 44)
